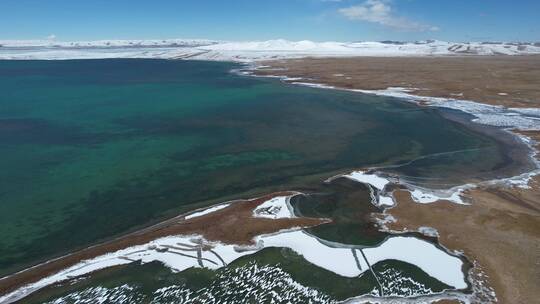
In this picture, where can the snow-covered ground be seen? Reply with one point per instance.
(248, 50)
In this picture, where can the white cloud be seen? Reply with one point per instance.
(51, 37)
(381, 12)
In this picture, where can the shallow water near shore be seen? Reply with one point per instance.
(91, 149)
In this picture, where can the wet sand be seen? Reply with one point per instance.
(511, 81)
(234, 224)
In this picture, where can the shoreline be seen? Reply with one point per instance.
(497, 80)
(507, 192)
(516, 133)
(238, 211)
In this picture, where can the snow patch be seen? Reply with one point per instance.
(277, 207)
(428, 231)
(367, 178)
(206, 211)
(386, 201)
(424, 196)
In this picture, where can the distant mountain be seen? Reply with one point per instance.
(109, 43)
(251, 50)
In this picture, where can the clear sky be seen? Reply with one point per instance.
(319, 20)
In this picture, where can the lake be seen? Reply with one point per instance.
(91, 149)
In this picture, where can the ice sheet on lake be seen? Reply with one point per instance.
(341, 260)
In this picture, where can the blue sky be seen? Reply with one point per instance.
(319, 20)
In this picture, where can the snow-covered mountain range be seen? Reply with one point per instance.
(250, 50)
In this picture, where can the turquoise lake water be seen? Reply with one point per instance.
(90, 149)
